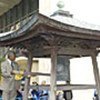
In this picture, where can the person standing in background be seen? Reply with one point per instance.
(68, 95)
(95, 95)
(44, 94)
(60, 96)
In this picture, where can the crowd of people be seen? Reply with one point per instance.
(13, 89)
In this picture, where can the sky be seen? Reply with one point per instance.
(84, 10)
(82, 73)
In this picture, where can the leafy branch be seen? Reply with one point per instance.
(1, 60)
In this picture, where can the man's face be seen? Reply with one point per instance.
(12, 57)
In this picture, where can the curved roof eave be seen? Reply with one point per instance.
(40, 19)
(21, 31)
(69, 28)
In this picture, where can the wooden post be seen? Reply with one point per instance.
(96, 73)
(53, 73)
(27, 80)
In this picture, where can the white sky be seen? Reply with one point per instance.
(82, 73)
(85, 10)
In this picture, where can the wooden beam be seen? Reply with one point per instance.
(66, 87)
(75, 51)
(39, 74)
(27, 80)
(53, 74)
(75, 87)
(46, 50)
(96, 73)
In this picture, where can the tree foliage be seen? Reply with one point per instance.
(1, 60)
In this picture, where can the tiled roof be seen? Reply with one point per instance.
(75, 22)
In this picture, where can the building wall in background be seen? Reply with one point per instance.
(44, 7)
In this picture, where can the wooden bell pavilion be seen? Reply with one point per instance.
(43, 36)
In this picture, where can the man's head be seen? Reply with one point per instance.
(11, 55)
